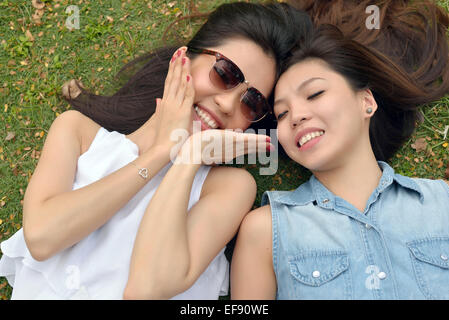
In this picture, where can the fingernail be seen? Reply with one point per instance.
(268, 139)
(270, 147)
(179, 52)
(183, 61)
(188, 78)
(173, 58)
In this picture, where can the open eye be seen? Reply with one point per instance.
(315, 95)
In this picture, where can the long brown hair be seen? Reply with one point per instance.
(397, 90)
(411, 33)
(275, 27)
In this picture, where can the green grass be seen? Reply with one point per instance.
(34, 70)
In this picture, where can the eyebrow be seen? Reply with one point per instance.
(300, 87)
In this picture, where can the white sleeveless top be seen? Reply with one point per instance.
(97, 267)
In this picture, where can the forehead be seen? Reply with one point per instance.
(258, 67)
(302, 71)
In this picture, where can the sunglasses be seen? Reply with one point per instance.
(225, 75)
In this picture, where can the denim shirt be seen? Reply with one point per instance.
(398, 248)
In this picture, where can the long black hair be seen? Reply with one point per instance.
(275, 27)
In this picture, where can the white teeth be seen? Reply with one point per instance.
(309, 137)
(205, 117)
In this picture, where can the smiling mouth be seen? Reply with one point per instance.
(206, 118)
(309, 137)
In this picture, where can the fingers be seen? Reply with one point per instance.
(188, 90)
(252, 143)
(174, 80)
(237, 144)
(184, 80)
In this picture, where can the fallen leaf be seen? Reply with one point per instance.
(39, 12)
(29, 35)
(10, 136)
(36, 19)
(37, 4)
(420, 144)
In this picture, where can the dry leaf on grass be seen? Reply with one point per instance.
(10, 136)
(420, 144)
(37, 4)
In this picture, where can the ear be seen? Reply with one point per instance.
(368, 103)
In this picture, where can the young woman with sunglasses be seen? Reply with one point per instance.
(355, 230)
(107, 214)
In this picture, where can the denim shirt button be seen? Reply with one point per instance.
(443, 257)
(316, 274)
(326, 201)
(381, 275)
(367, 226)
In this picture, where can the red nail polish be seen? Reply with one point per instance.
(270, 147)
(183, 61)
(179, 53)
(268, 139)
(188, 78)
(173, 59)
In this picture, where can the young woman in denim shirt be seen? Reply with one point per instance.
(355, 230)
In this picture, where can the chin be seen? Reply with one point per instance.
(314, 162)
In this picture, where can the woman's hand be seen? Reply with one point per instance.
(217, 146)
(174, 110)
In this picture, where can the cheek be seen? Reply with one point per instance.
(238, 122)
(201, 86)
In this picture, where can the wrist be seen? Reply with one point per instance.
(159, 150)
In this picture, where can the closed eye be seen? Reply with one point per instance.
(281, 115)
(315, 95)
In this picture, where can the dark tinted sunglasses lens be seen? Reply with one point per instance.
(254, 105)
(225, 75)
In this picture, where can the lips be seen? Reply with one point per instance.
(206, 113)
(305, 136)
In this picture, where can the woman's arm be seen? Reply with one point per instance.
(252, 274)
(54, 216)
(173, 247)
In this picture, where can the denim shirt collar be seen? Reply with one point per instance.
(314, 190)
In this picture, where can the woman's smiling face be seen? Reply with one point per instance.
(258, 68)
(321, 119)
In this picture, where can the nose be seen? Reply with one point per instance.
(228, 101)
(298, 117)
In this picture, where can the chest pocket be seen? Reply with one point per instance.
(321, 274)
(430, 259)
